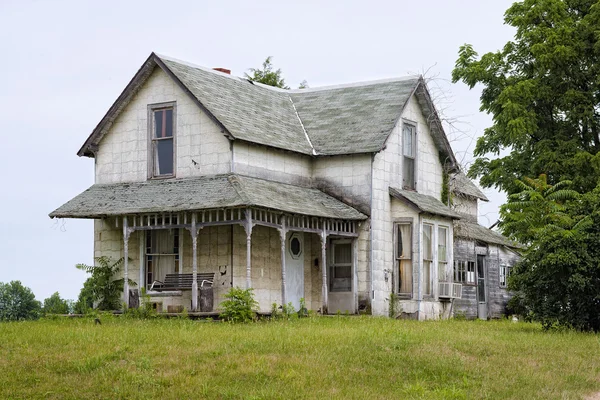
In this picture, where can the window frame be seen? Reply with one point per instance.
(447, 229)
(152, 108)
(398, 258)
(429, 260)
(333, 265)
(414, 158)
(507, 272)
(466, 264)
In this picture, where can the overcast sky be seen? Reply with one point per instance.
(65, 62)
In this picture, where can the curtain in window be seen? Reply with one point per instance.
(442, 254)
(427, 258)
(405, 254)
(162, 243)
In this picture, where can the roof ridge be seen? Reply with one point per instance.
(294, 91)
(314, 152)
(355, 84)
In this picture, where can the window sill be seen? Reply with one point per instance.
(159, 177)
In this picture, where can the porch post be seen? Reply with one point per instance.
(194, 234)
(324, 267)
(248, 227)
(126, 233)
(283, 234)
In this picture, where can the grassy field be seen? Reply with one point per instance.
(326, 357)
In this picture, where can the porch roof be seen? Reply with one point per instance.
(202, 193)
(424, 203)
(470, 230)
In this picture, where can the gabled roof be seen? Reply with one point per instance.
(461, 184)
(346, 119)
(424, 203)
(472, 230)
(353, 118)
(206, 192)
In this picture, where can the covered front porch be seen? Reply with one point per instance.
(286, 242)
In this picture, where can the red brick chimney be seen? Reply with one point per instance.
(225, 70)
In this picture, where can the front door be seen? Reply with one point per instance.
(340, 276)
(294, 269)
(482, 312)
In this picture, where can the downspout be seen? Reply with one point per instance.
(371, 236)
(420, 264)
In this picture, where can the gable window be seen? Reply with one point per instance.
(442, 254)
(162, 141)
(404, 258)
(427, 257)
(505, 272)
(409, 134)
(464, 272)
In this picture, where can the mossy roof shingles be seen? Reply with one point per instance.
(207, 192)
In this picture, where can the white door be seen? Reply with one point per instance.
(294, 268)
(340, 277)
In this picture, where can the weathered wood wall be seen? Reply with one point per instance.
(466, 250)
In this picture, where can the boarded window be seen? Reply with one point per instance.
(162, 143)
(427, 258)
(404, 258)
(409, 151)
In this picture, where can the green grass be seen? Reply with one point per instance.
(327, 357)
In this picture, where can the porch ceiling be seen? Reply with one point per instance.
(202, 193)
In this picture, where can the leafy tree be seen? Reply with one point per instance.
(558, 280)
(543, 92)
(537, 207)
(105, 289)
(17, 302)
(56, 305)
(303, 85)
(85, 301)
(267, 75)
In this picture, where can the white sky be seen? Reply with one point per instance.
(65, 62)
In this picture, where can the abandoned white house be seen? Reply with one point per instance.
(329, 194)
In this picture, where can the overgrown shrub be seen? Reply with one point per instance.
(105, 290)
(17, 302)
(144, 311)
(240, 305)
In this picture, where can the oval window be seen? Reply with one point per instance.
(295, 246)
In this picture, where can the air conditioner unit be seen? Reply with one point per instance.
(450, 290)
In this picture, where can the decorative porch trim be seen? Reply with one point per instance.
(194, 221)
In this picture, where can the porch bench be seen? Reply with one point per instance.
(183, 281)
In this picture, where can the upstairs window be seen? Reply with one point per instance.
(162, 142)
(409, 134)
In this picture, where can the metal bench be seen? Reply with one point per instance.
(183, 281)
